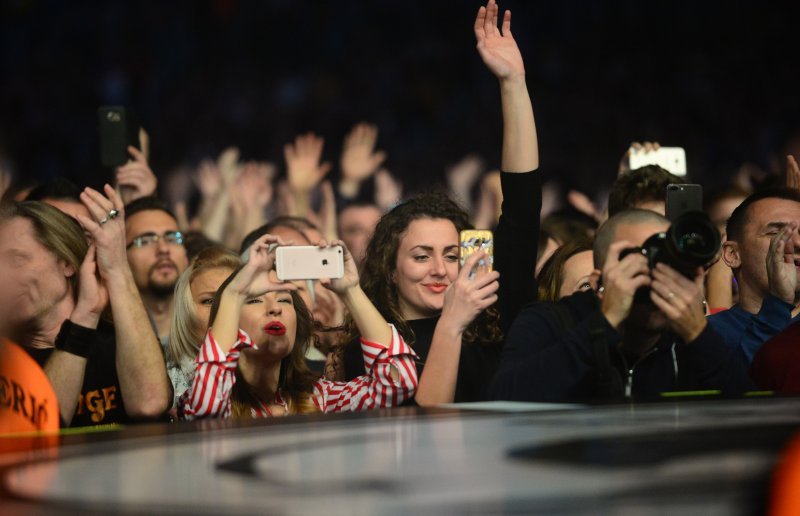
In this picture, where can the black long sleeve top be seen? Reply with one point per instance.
(516, 239)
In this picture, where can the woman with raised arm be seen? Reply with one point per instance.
(411, 267)
(252, 363)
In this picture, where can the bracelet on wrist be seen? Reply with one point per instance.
(76, 339)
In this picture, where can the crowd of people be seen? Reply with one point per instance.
(138, 309)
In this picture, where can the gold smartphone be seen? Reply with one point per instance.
(473, 240)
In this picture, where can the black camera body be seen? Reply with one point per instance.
(691, 241)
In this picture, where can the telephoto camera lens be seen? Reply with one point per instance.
(691, 241)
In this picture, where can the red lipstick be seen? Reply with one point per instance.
(275, 328)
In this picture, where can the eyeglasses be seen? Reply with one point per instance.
(148, 239)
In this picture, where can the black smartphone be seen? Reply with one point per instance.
(117, 128)
(683, 198)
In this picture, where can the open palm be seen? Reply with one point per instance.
(498, 50)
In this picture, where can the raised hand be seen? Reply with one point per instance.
(388, 190)
(359, 158)
(228, 165)
(350, 279)
(251, 192)
(106, 226)
(303, 168)
(792, 173)
(781, 268)
(498, 49)
(256, 277)
(467, 297)
(462, 176)
(621, 279)
(5, 179)
(92, 293)
(581, 202)
(680, 299)
(144, 143)
(625, 161)
(491, 199)
(208, 179)
(136, 179)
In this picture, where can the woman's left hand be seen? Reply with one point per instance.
(350, 279)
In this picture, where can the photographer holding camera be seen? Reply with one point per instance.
(642, 333)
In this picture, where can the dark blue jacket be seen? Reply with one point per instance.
(570, 352)
(746, 332)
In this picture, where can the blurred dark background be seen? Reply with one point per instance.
(719, 78)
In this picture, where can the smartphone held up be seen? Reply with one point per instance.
(472, 241)
(309, 262)
(117, 129)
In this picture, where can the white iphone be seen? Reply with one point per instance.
(672, 159)
(309, 262)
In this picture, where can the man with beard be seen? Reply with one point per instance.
(157, 257)
(614, 345)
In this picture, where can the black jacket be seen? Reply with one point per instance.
(569, 352)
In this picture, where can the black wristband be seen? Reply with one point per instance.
(76, 339)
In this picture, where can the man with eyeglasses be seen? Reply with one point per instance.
(157, 258)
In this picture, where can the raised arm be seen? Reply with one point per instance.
(501, 55)
(516, 236)
(140, 362)
(250, 194)
(465, 299)
(359, 158)
(66, 369)
(304, 170)
(214, 180)
(371, 324)
(136, 179)
(391, 374)
(252, 280)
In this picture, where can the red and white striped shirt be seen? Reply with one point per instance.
(210, 395)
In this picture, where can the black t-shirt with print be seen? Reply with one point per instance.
(100, 401)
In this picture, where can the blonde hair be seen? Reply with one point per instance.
(56, 231)
(186, 334)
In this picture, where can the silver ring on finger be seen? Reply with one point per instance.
(113, 214)
(102, 221)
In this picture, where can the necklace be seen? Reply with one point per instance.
(277, 400)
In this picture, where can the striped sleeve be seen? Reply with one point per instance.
(378, 388)
(215, 374)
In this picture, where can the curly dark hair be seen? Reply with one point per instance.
(381, 261)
